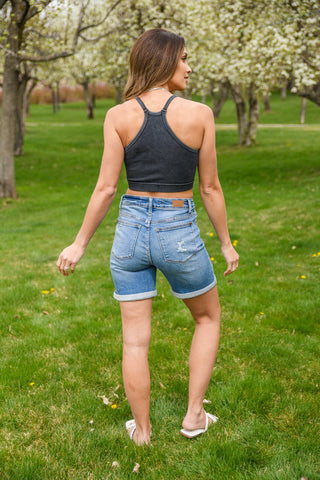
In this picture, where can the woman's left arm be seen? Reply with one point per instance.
(211, 191)
(102, 196)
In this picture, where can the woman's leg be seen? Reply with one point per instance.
(205, 310)
(136, 326)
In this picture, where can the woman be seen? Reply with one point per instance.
(162, 139)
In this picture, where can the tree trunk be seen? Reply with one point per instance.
(303, 110)
(23, 100)
(21, 115)
(8, 126)
(312, 93)
(184, 94)
(266, 101)
(118, 95)
(58, 103)
(30, 87)
(242, 122)
(253, 116)
(217, 105)
(88, 100)
(284, 92)
(93, 95)
(241, 112)
(53, 98)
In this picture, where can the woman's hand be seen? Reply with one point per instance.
(231, 257)
(69, 258)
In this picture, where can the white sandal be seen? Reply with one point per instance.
(131, 424)
(199, 431)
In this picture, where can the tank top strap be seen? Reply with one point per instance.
(142, 104)
(168, 103)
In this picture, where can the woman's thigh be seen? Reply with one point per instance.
(205, 308)
(136, 321)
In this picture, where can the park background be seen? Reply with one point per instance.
(63, 406)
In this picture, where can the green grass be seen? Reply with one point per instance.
(62, 350)
(282, 111)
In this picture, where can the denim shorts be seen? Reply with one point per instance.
(159, 233)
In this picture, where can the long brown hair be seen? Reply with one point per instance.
(153, 60)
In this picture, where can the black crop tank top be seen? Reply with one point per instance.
(156, 159)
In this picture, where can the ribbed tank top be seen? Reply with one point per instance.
(156, 159)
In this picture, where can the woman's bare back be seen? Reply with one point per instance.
(184, 117)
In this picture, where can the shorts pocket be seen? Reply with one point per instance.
(125, 240)
(178, 244)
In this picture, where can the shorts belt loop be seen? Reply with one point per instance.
(190, 205)
(150, 204)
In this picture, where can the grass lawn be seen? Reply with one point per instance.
(61, 336)
(282, 111)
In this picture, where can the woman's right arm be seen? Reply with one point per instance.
(102, 196)
(211, 191)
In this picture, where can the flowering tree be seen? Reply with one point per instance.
(247, 47)
(305, 40)
(133, 18)
(83, 68)
(239, 49)
(30, 32)
(27, 81)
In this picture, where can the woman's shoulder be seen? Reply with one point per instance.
(191, 109)
(192, 105)
(122, 108)
(122, 111)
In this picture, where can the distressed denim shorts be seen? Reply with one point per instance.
(158, 233)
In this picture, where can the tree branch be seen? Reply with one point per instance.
(92, 25)
(42, 58)
(77, 32)
(312, 93)
(21, 16)
(40, 34)
(309, 62)
(48, 58)
(2, 3)
(34, 10)
(96, 39)
(8, 51)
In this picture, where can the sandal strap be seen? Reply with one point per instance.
(132, 432)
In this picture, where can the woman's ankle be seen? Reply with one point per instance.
(195, 418)
(142, 436)
(195, 409)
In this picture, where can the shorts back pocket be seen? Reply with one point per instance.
(177, 243)
(125, 239)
